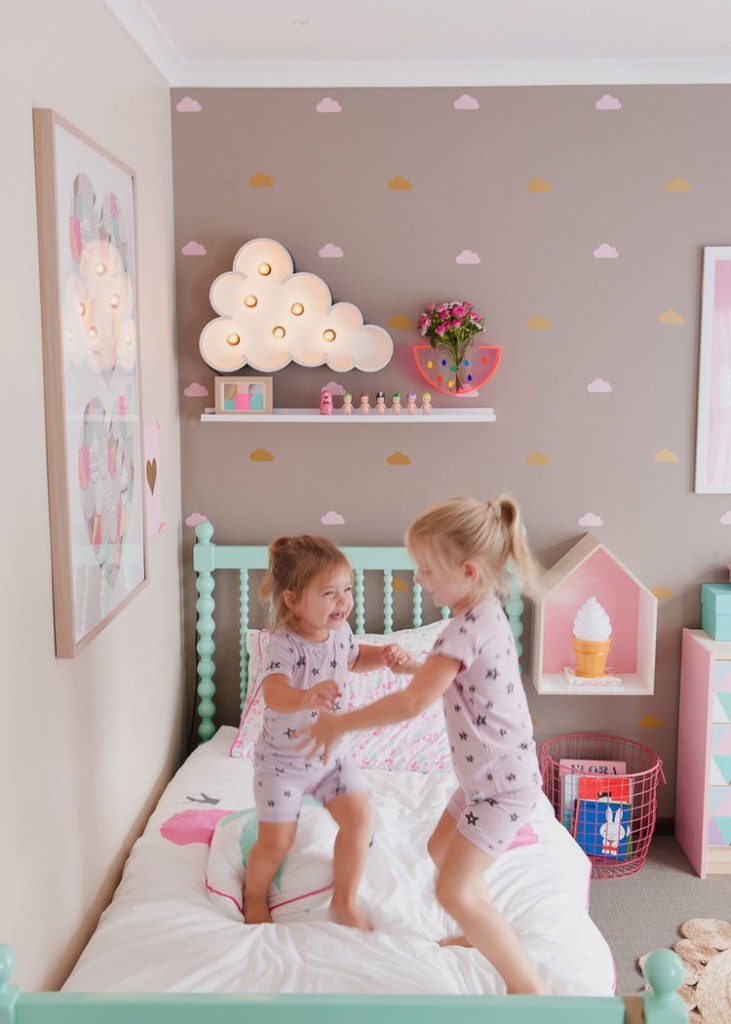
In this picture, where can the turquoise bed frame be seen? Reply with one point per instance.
(659, 1004)
(381, 562)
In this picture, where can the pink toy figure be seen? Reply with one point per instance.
(426, 403)
(411, 403)
(396, 404)
(347, 404)
(365, 405)
(326, 402)
(380, 403)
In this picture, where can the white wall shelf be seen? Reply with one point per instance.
(481, 415)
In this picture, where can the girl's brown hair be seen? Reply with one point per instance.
(488, 533)
(294, 562)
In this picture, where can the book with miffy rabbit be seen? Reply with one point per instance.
(603, 813)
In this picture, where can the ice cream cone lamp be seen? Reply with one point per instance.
(592, 638)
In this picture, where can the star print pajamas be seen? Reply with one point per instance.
(283, 776)
(489, 729)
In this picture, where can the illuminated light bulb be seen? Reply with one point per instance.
(297, 309)
(82, 309)
(250, 301)
(233, 339)
(101, 268)
(264, 269)
(328, 335)
(114, 301)
(93, 332)
(279, 332)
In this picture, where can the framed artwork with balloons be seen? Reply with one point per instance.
(89, 316)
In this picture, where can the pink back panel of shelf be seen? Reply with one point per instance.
(601, 577)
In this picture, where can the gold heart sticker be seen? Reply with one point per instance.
(151, 473)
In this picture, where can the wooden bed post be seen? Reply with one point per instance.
(203, 562)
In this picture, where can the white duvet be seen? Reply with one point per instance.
(164, 933)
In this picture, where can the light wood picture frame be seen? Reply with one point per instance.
(713, 437)
(243, 396)
(87, 235)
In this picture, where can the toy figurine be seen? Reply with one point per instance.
(411, 403)
(380, 403)
(426, 403)
(396, 404)
(347, 407)
(365, 405)
(326, 402)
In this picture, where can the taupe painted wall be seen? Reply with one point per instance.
(533, 181)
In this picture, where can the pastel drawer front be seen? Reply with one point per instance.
(720, 762)
(718, 832)
(722, 677)
(721, 707)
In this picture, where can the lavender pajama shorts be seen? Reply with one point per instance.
(278, 793)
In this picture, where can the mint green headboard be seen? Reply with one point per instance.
(209, 557)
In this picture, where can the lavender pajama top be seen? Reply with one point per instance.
(488, 722)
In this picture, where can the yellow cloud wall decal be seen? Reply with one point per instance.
(399, 585)
(662, 593)
(665, 455)
(261, 180)
(539, 185)
(400, 184)
(400, 322)
(678, 185)
(651, 722)
(538, 321)
(398, 459)
(671, 317)
(537, 459)
(261, 455)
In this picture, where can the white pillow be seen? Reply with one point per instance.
(417, 745)
(303, 880)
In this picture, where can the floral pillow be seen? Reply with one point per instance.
(417, 745)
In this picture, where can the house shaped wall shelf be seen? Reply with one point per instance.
(587, 570)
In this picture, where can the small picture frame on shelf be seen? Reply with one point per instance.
(244, 396)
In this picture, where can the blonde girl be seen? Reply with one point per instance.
(461, 548)
(310, 652)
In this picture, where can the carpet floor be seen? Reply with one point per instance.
(644, 911)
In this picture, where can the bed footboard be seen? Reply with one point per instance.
(660, 1004)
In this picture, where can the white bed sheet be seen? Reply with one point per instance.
(163, 933)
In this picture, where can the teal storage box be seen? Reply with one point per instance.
(716, 610)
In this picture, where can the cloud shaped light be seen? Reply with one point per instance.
(269, 316)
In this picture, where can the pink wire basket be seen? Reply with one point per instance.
(603, 789)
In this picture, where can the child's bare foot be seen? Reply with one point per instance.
(350, 916)
(456, 940)
(256, 911)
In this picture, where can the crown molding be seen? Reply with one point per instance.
(458, 74)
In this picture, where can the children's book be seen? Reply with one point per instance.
(606, 787)
(572, 770)
(602, 828)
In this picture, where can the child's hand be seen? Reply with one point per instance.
(322, 695)
(395, 657)
(324, 733)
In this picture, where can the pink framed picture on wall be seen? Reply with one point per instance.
(92, 399)
(713, 439)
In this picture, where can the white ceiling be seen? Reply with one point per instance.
(431, 42)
